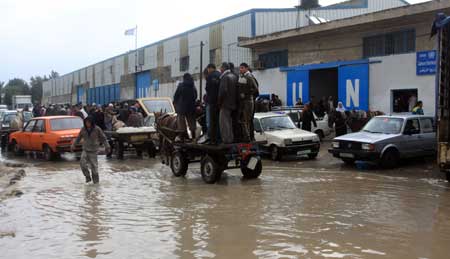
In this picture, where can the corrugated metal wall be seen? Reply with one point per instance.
(221, 36)
(232, 30)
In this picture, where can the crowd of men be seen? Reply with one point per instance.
(108, 117)
(230, 104)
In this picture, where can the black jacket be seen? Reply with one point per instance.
(228, 96)
(212, 88)
(184, 98)
(307, 119)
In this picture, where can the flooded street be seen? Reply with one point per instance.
(297, 209)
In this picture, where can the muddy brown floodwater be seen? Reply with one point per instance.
(297, 209)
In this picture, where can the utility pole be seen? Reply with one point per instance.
(201, 70)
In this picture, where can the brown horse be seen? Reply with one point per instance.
(166, 126)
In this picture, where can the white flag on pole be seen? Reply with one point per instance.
(130, 32)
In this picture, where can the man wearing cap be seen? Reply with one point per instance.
(227, 102)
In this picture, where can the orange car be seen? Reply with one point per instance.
(51, 135)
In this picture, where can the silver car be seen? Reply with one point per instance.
(387, 139)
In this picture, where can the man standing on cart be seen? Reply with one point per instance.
(227, 102)
(184, 102)
(248, 91)
(212, 92)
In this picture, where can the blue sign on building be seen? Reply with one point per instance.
(353, 83)
(353, 86)
(426, 62)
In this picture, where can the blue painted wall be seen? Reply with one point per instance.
(143, 82)
(353, 83)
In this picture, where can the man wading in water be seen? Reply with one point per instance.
(92, 137)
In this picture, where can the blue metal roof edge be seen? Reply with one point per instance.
(324, 65)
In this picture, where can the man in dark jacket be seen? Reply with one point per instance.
(227, 101)
(92, 137)
(212, 94)
(184, 102)
(135, 119)
(308, 118)
(248, 91)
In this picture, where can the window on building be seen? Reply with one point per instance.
(184, 63)
(404, 100)
(274, 59)
(389, 44)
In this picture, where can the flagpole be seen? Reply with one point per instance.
(135, 49)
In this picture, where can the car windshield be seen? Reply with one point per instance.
(9, 117)
(66, 124)
(277, 123)
(384, 125)
(158, 105)
(27, 116)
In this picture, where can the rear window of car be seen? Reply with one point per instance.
(158, 106)
(66, 124)
(9, 117)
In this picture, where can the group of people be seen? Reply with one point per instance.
(108, 117)
(230, 104)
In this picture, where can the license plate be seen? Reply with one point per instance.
(138, 138)
(303, 152)
(346, 155)
(252, 163)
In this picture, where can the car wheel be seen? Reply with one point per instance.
(348, 161)
(211, 171)
(48, 153)
(274, 153)
(390, 159)
(178, 164)
(313, 155)
(249, 173)
(16, 149)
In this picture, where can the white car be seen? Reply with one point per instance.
(283, 137)
(322, 129)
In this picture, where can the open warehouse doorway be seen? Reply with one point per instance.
(323, 83)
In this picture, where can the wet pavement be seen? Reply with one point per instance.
(296, 209)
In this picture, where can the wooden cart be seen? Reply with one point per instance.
(214, 159)
(135, 141)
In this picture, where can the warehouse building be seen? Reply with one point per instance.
(383, 61)
(155, 69)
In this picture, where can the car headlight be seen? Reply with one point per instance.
(335, 144)
(288, 141)
(368, 147)
(316, 139)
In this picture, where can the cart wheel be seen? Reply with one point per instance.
(211, 170)
(178, 164)
(49, 155)
(249, 173)
(448, 176)
(119, 150)
(16, 149)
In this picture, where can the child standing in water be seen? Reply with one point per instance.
(92, 137)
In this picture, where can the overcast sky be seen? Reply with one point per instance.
(38, 36)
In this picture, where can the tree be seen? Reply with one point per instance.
(53, 74)
(1, 88)
(36, 88)
(15, 86)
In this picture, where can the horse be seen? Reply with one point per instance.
(166, 126)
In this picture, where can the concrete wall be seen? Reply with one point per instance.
(398, 72)
(272, 81)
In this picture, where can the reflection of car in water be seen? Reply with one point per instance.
(283, 137)
(51, 135)
(387, 139)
